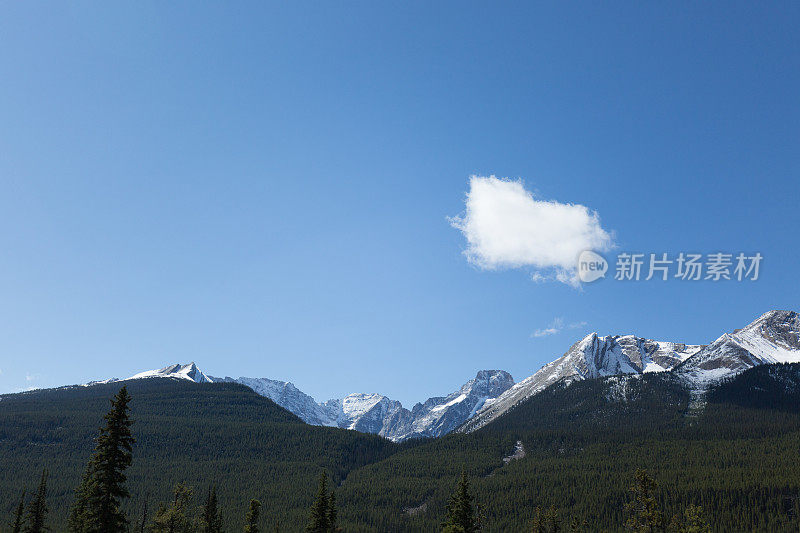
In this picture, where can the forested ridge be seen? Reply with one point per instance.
(199, 434)
(730, 462)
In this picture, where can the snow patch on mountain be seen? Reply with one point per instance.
(774, 337)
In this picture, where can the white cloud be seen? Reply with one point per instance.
(556, 326)
(507, 226)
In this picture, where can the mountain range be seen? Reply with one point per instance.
(772, 338)
(572, 435)
(367, 413)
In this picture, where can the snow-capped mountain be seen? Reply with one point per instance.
(188, 372)
(178, 371)
(368, 413)
(439, 416)
(773, 338)
(591, 357)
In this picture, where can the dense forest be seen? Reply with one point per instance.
(197, 434)
(635, 453)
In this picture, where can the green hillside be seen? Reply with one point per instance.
(735, 456)
(584, 442)
(199, 433)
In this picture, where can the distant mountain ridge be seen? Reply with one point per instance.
(376, 413)
(772, 338)
(367, 413)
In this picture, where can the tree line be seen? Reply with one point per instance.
(99, 497)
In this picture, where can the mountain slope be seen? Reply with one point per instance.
(583, 443)
(375, 413)
(220, 433)
(439, 416)
(370, 413)
(287, 396)
(772, 338)
(591, 357)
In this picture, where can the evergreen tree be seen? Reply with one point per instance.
(319, 516)
(695, 521)
(577, 525)
(643, 507)
(332, 513)
(143, 521)
(211, 521)
(99, 495)
(76, 522)
(16, 524)
(174, 518)
(545, 521)
(37, 509)
(692, 521)
(251, 520)
(460, 513)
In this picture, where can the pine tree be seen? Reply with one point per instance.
(143, 521)
(211, 521)
(102, 488)
(545, 521)
(174, 518)
(319, 516)
(76, 521)
(460, 513)
(643, 507)
(692, 521)
(37, 509)
(695, 521)
(332, 513)
(251, 520)
(576, 525)
(16, 524)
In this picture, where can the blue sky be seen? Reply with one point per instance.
(265, 188)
